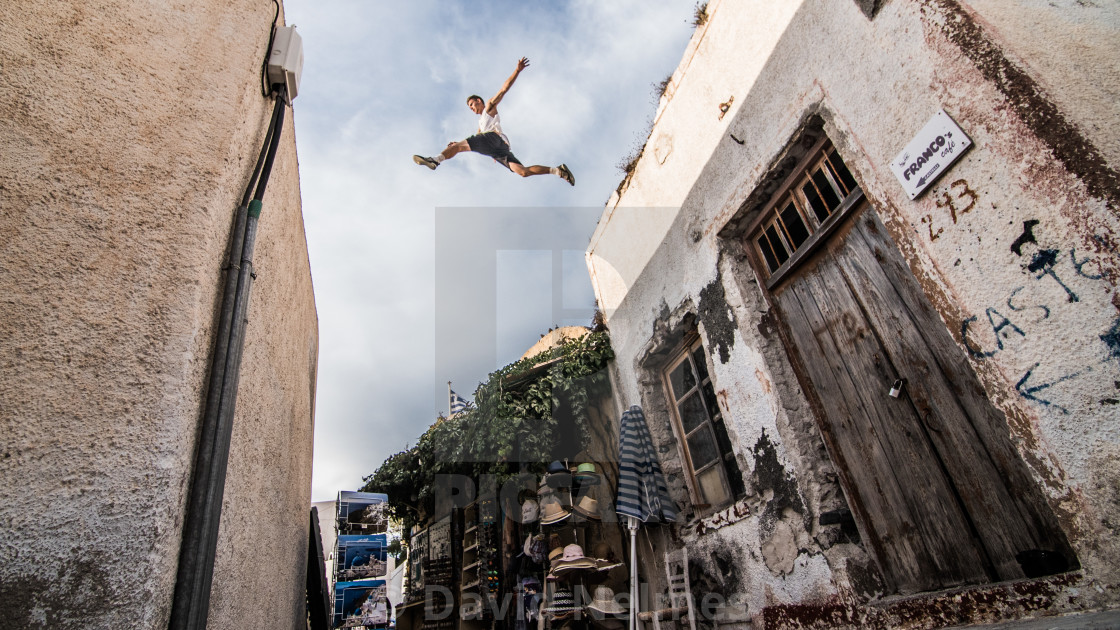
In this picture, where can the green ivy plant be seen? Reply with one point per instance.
(527, 413)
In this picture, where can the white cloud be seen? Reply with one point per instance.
(382, 81)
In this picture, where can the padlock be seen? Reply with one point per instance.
(896, 389)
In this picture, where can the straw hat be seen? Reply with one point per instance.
(555, 555)
(588, 507)
(602, 564)
(571, 560)
(553, 513)
(605, 602)
(604, 558)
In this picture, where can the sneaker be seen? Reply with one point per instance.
(566, 175)
(424, 161)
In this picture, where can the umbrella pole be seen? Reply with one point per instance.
(634, 602)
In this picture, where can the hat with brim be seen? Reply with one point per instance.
(605, 602)
(553, 513)
(572, 560)
(602, 564)
(561, 604)
(588, 508)
(555, 555)
(558, 480)
(586, 474)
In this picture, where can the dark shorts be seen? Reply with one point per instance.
(491, 144)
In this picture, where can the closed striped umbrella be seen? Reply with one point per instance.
(643, 496)
(642, 493)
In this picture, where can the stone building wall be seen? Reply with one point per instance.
(1013, 247)
(128, 132)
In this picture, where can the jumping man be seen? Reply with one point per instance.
(490, 141)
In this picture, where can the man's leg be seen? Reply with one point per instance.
(453, 148)
(560, 171)
(526, 171)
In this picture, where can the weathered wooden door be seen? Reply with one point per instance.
(942, 495)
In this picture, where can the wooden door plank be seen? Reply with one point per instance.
(939, 519)
(989, 423)
(891, 527)
(979, 485)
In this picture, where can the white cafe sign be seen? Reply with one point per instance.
(940, 143)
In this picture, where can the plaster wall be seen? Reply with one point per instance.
(1038, 321)
(722, 56)
(128, 131)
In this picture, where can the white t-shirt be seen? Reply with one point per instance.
(488, 123)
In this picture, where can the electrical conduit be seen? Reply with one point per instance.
(191, 604)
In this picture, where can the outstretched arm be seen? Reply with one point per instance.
(492, 106)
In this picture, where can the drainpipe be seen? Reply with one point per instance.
(191, 604)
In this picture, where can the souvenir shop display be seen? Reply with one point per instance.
(571, 500)
(528, 560)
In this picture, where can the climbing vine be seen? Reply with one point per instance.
(525, 415)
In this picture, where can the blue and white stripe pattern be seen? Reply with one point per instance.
(642, 492)
(458, 403)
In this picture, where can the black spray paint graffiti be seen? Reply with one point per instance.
(1003, 328)
(1026, 237)
(1043, 265)
(1029, 392)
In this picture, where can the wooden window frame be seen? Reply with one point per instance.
(686, 353)
(790, 192)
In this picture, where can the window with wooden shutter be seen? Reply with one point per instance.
(714, 478)
(810, 202)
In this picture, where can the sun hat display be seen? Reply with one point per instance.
(588, 507)
(530, 511)
(605, 602)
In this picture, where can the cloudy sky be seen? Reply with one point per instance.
(423, 277)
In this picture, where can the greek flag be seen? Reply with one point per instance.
(458, 403)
